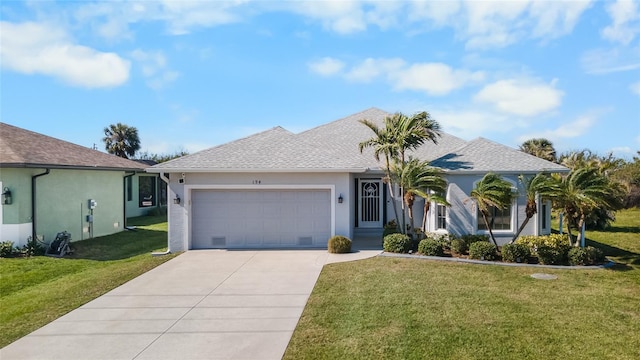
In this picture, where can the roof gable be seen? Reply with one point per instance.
(24, 148)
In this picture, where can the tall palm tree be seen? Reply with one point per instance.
(538, 185)
(492, 191)
(121, 140)
(417, 178)
(383, 143)
(410, 133)
(539, 147)
(584, 190)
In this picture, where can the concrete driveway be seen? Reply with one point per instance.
(206, 304)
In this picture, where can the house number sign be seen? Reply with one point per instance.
(256, 182)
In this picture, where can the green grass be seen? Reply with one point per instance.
(396, 308)
(35, 291)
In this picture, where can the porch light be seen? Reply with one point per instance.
(176, 200)
(6, 196)
(340, 199)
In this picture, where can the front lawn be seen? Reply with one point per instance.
(35, 291)
(396, 308)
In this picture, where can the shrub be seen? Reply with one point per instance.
(482, 250)
(397, 243)
(390, 228)
(470, 239)
(549, 255)
(431, 247)
(339, 245)
(33, 248)
(585, 256)
(458, 246)
(515, 253)
(555, 241)
(6, 249)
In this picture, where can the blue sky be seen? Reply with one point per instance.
(191, 75)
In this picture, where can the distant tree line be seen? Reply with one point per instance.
(123, 141)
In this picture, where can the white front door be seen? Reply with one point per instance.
(370, 203)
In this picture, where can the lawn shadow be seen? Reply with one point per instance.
(625, 260)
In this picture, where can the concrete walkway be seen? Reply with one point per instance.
(205, 304)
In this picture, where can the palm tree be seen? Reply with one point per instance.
(538, 185)
(410, 133)
(121, 140)
(539, 147)
(417, 178)
(584, 190)
(383, 143)
(492, 191)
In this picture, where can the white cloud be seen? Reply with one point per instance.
(154, 68)
(626, 22)
(523, 97)
(370, 69)
(433, 78)
(605, 61)
(33, 48)
(326, 66)
(573, 129)
(470, 123)
(635, 88)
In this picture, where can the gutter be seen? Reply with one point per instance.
(256, 170)
(33, 201)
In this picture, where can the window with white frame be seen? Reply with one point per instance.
(441, 217)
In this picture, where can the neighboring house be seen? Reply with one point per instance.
(144, 192)
(279, 189)
(52, 183)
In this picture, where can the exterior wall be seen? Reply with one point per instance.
(179, 226)
(62, 203)
(133, 206)
(16, 217)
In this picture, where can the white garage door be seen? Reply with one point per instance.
(260, 218)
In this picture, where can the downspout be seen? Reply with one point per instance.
(124, 203)
(165, 179)
(33, 202)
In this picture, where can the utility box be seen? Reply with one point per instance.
(92, 204)
(89, 218)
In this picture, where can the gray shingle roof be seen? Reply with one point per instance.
(334, 147)
(482, 155)
(24, 148)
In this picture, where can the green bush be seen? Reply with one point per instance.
(555, 241)
(470, 239)
(397, 243)
(585, 256)
(483, 250)
(458, 246)
(32, 248)
(390, 228)
(6, 249)
(431, 247)
(515, 253)
(339, 245)
(549, 255)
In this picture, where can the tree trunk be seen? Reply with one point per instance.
(410, 209)
(579, 230)
(524, 223)
(427, 205)
(404, 212)
(486, 222)
(569, 233)
(393, 202)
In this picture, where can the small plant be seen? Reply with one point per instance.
(585, 256)
(397, 243)
(339, 245)
(483, 250)
(458, 246)
(470, 239)
(515, 253)
(549, 255)
(32, 248)
(555, 241)
(431, 247)
(6, 249)
(390, 228)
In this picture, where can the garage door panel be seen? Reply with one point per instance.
(264, 218)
